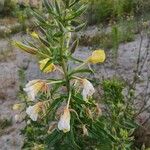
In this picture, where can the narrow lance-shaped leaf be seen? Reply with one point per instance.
(38, 17)
(74, 46)
(66, 2)
(73, 3)
(49, 6)
(31, 44)
(26, 48)
(80, 71)
(77, 13)
(61, 26)
(80, 27)
(44, 41)
(57, 7)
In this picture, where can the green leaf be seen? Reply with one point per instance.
(38, 17)
(25, 48)
(61, 27)
(76, 59)
(44, 41)
(74, 46)
(80, 71)
(49, 6)
(71, 136)
(66, 2)
(57, 7)
(73, 3)
(80, 27)
(76, 13)
(78, 99)
(53, 138)
(58, 34)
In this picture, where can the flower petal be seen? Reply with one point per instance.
(49, 68)
(88, 89)
(98, 56)
(32, 113)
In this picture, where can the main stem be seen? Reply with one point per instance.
(64, 64)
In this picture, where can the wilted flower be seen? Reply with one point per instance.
(88, 89)
(64, 122)
(34, 86)
(85, 131)
(17, 118)
(33, 111)
(98, 56)
(98, 110)
(28, 122)
(89, 113)
(46, 69)
(52, 127)
(38, 147)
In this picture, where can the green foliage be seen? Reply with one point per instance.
(8, 7)
(120, 117)
(101, 11)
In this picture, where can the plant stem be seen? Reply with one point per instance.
(64, 64)
(69, 98)
(80, 66)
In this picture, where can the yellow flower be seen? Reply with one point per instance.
(35, 35)
(64, 122)
(33, 111)
(88, 89)
(17, 106)
(48, 68)
(34, 86)
(98, 56)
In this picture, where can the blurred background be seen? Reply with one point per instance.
(120, 27)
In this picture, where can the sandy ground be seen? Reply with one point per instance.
(11, 60)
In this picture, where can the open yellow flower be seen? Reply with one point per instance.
(48, 68)
(98, 56)
(33, 111)
(88, 89)
(64, 122)
(34, 86)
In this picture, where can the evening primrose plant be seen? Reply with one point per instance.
(61, 113)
